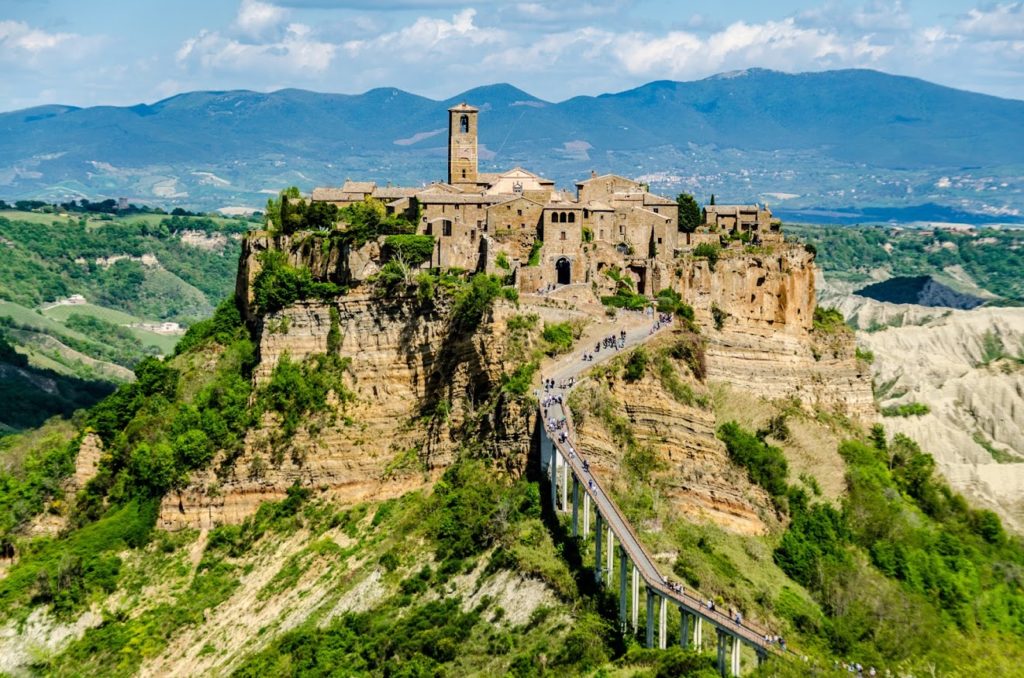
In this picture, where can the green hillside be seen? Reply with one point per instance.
(987, 259)
(896, 571)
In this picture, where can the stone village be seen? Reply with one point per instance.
(548, 237)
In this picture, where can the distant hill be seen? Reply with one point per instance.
(744, 135)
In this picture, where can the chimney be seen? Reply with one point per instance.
(593, 174)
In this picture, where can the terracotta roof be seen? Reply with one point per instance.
(604, 177)
(438, 198)
(335, 195)
(655, 199)
(358, 186)
(517, 197)
(527, 172)
(731, 209)
(393, 192)
(647, 211)
(464, 108)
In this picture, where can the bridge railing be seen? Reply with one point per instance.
(645, 565)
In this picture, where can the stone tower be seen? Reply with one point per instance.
(462, 168)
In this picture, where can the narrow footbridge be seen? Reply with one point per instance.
(569, 482)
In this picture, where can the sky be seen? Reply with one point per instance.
(123, 52)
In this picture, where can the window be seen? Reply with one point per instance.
(463, 174)
(572, 217)
(464, 124)
(519, 213)
(563, 235)
(655, 210)
(659, 241)
(446, 227)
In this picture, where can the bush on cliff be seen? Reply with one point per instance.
(475, 299)
(709, 251)
(410, 248)
(279, 284)
(765, 464)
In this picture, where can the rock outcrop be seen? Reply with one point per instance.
(389, 439)
(757, 311)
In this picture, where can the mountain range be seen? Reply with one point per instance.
(845, 140)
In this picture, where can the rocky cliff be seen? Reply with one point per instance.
(417, 389)
(757, 310)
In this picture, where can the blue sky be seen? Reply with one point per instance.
(89, 52)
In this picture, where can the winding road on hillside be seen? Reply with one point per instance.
(639, 329)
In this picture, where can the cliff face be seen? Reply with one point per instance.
(695, 477)
(389, 439)
(763, 340)
(419, 388)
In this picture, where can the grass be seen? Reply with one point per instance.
(906, 410)
(1000, 456)
(164, 342)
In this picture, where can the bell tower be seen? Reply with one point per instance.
(462, 165)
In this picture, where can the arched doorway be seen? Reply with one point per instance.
(563, 269)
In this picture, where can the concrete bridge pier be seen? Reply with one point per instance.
(611, 554)
(622, 588)
(553, 473)
(565, 484)
(723, 639)
(636, 599)
(575, 506)
(650, 618)
(662, 623)
(586, 515)
(734, 664)
(684, 628)
(598, 538)
(698, 633)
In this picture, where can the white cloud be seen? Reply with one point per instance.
(296, 52)
(428, 34)
(19, 36)
(256, 18)
(1002, 21)
(782, 45)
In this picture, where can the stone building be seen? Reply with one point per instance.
(544, 236)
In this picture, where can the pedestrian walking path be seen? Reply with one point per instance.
(563, 377)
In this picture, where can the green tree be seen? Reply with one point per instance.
(689, 213)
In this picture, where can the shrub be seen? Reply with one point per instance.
(223, 328)
(559, 338)
(476, 298)
(411, 248)
(709, 251)
(765, 464)
(296, 390)
(534, 258)
(718, 316)
(828, 320)
(279, 284)
(690, 349)
(906, 410)
(521, 380)
(501, 261)
(865, 354)
(636, 365)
